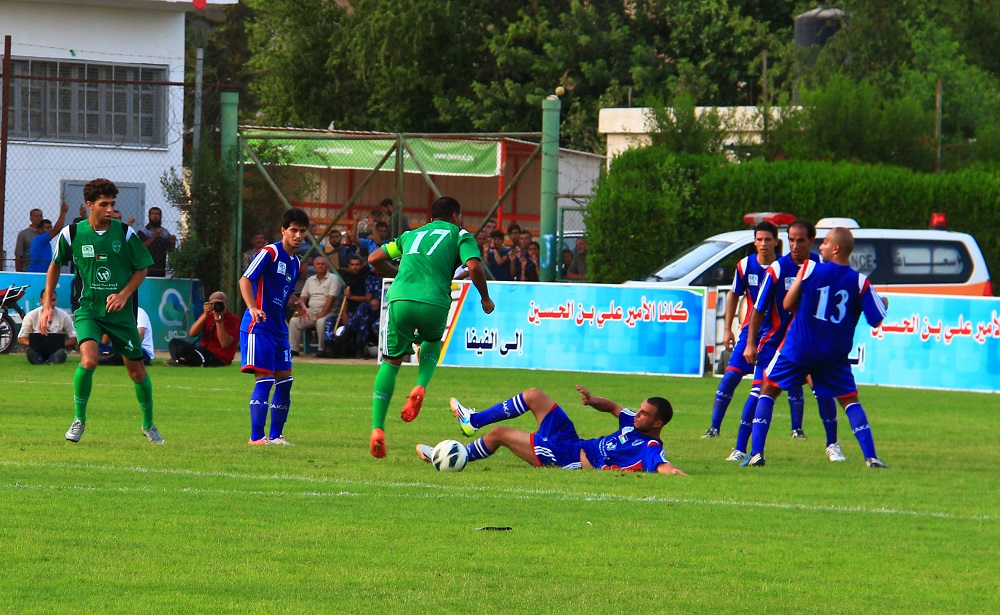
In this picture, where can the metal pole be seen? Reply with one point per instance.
(937, 124)
(199, 69)
(550, 184)
(5, 111)
(229, 125)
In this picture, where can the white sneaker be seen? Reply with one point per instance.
(75, 431)
(833, 453)
(153, 435)
(736, 455)
(463, 415)
(280, 440)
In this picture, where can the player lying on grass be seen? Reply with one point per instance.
(635, 447)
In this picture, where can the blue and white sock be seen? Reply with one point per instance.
(796, 405)
(258, 407)
(828, 414)
(512, 408)
(724, 395)
(761, 423)
(280, 402)
(746, 420)
(477, 450)
(862, 430)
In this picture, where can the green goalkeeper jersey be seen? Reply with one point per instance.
(428, 258)
(104, 261)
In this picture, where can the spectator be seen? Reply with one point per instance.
(388, 211)
(116, 215)
(332, 249)
(567, 260)
(523, 241)
(320, 294)
(498, 258)
(378, 237)
(22, 245)
(257, 242)
(39, 346)
(219, 329)
(513, 233)
(40, 253)
(490, 226)
(307, 249)
(529, 263)
(158, 240)
(362, 326)
(578, 268)
(483, 240)
(106, 352)
(366, 224)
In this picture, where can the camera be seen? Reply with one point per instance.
(219, 306)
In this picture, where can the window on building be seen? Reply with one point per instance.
(87, 112)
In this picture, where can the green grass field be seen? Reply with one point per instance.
(207, 524)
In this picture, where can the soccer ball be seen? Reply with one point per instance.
(449, 456)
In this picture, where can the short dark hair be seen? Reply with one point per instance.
(497, 234)
(444, 208)
(156, 209)
(294, 216)
(513, 225)
(381, 225)
(536, 244)
(664, 411)
(96, 188)
(46, 221)
(806, 225)
(767, 227)
(387, 203)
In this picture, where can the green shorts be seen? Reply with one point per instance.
(408, 318)
(120, 327)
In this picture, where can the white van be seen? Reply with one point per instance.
(895, 260)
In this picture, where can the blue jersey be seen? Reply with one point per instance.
(749, 276)
(626, 449)
(833, 299)
(274, 273)
(771, 299)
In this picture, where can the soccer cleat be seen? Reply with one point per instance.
(58, 357)
(153, 435)
(875, 462)
(172, 363)
(280, 440)
(736, 455)
(75, 431)
(833, 453)
(799, 434)
(711, 433)
(376, 443)
(261, 442)
(464, 416)
(413, 403)
(425, 452)
(756, 460)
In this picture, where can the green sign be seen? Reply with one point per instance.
(436, 156)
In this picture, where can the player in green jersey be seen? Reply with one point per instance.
(418, 300)
(111, 262)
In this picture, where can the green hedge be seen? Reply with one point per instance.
(697, 196)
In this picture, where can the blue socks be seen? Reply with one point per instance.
(862, 430)
(477, 450)
(258, 407)
(761, 423)
(724, 395)
(746, 420)
(279, 406)
(512, 408)
(828, 414)
(796, 405)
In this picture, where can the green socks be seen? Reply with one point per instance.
(385, 384)
(144, 393)
(83, 381)
(429, 353)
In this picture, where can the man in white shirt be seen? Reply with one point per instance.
(108, 356)
(61, 322)
(319, 293)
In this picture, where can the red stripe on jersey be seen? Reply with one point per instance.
(635, 467)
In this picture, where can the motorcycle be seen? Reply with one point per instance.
(8, 334)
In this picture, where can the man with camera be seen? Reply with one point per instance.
(219, 329)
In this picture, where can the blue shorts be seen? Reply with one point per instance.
(764, 358)
(828, 379)
(737, 362)
(263, 354)
(556, 442)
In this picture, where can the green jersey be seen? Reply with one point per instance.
(105, 260)
(428, 258)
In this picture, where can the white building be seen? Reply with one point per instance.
(75, 125)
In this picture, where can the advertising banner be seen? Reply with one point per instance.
(578, 327)
(932, 342)
(172, 304)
